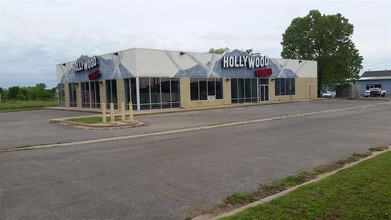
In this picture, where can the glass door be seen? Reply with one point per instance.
(264, 90)
(264, 93)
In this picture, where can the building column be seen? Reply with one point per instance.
(120, 92)
(102, 92)
(227, 97)
(78, 95)
(184, 88)
(138, 93)
(272, 90)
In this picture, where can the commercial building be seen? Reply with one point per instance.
(375, 79)
(156, 79)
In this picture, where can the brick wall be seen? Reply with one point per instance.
(78, 95)
(102, 91)
(120, 91)
(306, 89)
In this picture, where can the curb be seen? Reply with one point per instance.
(285, 192)
(117, 125)
(59, 120)
(176, 110)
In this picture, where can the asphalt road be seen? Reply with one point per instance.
(162, 176)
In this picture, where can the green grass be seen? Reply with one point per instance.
(360, 192)
(26, 105)
(286, 183)
(240, 198)
(89, 120)
(93, 119)
(378, 148)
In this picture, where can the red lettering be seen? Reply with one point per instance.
(263, 73)
(94, 75)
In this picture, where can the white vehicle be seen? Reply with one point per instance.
(328, 94)
(375, 92)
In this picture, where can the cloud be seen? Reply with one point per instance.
(37, 35)
(267, 43)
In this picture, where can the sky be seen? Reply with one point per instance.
(35, 35)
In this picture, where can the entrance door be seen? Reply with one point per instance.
(263, 89)
(264, 93)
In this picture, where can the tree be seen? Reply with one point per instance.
(326, 39)
(219, 50)
(39, 92)
(2, 91)
(249, 51)
(41, 86)
(14, 92)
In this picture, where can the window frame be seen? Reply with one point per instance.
(202, 89)
(285, 86)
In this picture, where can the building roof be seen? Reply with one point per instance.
(375, 78)
(139, 62)
(381, 73)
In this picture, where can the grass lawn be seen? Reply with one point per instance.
(90, 120)
(360, 192)
(26, 105)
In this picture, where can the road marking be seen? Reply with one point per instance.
(229, 124)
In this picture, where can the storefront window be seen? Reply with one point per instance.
(244, 90)
(202, 84)
(90, 97)
(61, 95)
(247, 90)
(194, 89)
(95, 94)
(130, 93)
(211, 87)
(219, 88)
(85, 95)
(285, 86)
(254, 90)
(234, 90)
(175, 95)
(292, 86)
(241, 96)
(156, 93)
(206, 88)
(145, 98)
(165, 92)
(72, 95)
(111, 93)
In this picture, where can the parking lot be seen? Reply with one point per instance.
(163, 176)
(33, 127)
